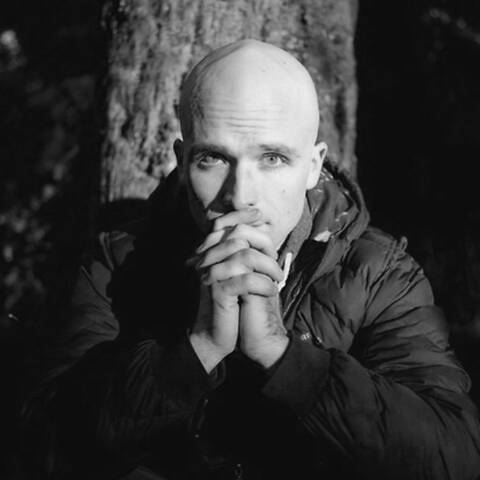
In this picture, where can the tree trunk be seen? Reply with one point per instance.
(154, 43)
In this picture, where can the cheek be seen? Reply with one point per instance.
(205, 186)
(292, 195)
(293, 206)
(289, 203)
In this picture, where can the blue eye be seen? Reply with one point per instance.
(273, 160)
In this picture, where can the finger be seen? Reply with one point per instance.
(245, 215)
(220, 252)
(227, 222)
(255, 238)
(223, 271)
(190, 262)
(244, 261)
(249, 284)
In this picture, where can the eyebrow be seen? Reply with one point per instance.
(279, 148)
(209, 147)
(266, 147)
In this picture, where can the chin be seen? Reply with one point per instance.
(277, 241)
(280, 239)
(278, 245)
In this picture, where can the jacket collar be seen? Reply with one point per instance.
(334, 212)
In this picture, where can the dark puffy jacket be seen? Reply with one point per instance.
(368, 387)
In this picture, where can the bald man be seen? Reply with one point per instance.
(255, 326)
(248, 157)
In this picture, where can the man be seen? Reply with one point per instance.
(255, 326)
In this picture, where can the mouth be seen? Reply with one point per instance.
(258, 223)
(212, 216)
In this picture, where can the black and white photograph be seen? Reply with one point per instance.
(239, 240)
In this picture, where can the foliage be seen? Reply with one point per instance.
(44, 107)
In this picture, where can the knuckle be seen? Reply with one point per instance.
(213, 272)
(207, 241)
(223, 271)
(204, 260)
(230, 287)
(235, 244)
(217, 224)
(231, 242)
(241, 243)
(249, 281)
(209, 237)
(239, 229)
(246, 256)
(221, 288)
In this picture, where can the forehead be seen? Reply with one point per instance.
(243, 135)
(250, 120)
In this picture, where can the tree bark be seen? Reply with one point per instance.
(154, 43)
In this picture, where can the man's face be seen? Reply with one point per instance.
(242, 156)
(249, 118)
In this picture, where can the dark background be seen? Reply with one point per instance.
(418, 146)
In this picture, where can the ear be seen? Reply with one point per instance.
(319, 154)
(179, 149)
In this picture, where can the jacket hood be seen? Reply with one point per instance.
(333, 217)
(337, 206)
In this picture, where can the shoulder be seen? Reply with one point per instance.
(374, 267)
(112, 247)
(376, 252)
(348, 284)
(391, 279)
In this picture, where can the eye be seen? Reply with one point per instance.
(273, 160)
(209, 160)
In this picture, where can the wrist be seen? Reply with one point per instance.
(207, 352)
(271, 352)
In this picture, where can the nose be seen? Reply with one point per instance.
(241, 189)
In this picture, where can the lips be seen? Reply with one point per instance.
(258, 223)
(212, 216)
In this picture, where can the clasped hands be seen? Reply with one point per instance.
(239, 303)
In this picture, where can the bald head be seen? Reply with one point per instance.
(246, 78)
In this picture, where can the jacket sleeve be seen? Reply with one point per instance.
(106, 401)
(399, 408)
